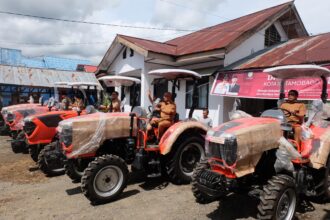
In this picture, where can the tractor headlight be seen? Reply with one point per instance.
(65, 133)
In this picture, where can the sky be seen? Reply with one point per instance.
(37, 37)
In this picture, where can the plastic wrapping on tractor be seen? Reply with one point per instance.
(240, 143)
(284, 156)
(88, 132)
(5, 110)
(320, 140)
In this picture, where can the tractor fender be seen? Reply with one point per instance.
(175, 131)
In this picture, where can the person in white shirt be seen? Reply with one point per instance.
(206, 120)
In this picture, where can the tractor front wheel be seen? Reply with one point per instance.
(34, 151)
(50, 161)
(278, 199)
(201, 197)
(183, 159)
(104, 179)
(18, 145)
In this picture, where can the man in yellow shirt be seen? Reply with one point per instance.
(296, 113)
(167, 110)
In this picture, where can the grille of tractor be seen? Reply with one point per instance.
(10, 117)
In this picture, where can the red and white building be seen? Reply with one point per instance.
(224, 46)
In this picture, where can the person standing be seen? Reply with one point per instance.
(206, 120)
(115, 102)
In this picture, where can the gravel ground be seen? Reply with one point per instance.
(25, 193)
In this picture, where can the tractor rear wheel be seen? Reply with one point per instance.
(184, 158)
(50, 162)
(278, 199)
(104, 179)
(74, 168)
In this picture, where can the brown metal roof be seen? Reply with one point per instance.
(211, 38)
(150, 45)
(314, 49)
(221, 35)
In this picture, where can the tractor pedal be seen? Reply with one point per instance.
(154, 175)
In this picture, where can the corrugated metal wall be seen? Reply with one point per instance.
(14, 57)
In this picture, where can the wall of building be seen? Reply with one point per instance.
(129, 65)
(251, 45)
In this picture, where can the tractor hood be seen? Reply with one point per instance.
(240, 143)
(84, 134)
(16, 115)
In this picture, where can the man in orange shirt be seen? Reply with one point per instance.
(167, 110)
(297, 113)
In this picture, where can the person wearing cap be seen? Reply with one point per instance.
(167, 109)
(296, 112)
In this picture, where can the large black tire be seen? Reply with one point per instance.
(74, 168)
(34, 151)
(51, 162)
(322, 178)
(183, 158)
(104, 179)
(279, 199)
(200, 196)
(18, 145)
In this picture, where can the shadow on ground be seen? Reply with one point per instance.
(235, 207)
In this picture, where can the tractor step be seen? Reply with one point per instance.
(154, 175)
(154, 162)
(152, 146)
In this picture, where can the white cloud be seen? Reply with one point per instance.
(182, 14)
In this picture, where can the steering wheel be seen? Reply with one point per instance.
(286, 112)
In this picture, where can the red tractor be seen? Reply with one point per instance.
(258, 155)
(119, 139)
(13, 116)
(40, 129)
(74, 167)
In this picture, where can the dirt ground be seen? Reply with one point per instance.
(25, 193)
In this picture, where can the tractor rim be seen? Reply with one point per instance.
(108, 181)
(286, 205)
(189, 157)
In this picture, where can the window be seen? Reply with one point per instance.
(272, 36)
(125, 53)
(136, 94)
(202, 91)
(160, 87)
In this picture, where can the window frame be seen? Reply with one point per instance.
(203, 80)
